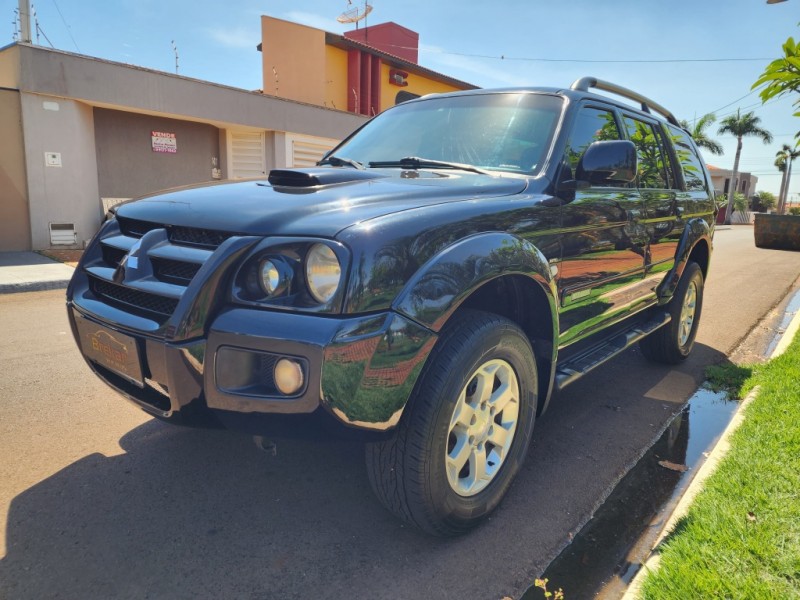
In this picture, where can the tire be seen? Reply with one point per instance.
(471, 413)
(672, 343)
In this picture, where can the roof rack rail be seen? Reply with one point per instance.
(585, 83)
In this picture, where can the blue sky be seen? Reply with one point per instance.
(216, 42)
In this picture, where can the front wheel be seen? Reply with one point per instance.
(467, 427)
(672, 343)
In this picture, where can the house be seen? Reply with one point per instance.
(364, 71)
(721, 180)
(81, 134)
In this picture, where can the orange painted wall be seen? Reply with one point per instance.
(309, 70)
(417, 84)
(297, 53)
(335, 78)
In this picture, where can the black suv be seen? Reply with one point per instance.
(426, 287)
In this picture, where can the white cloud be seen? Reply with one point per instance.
(238, 37)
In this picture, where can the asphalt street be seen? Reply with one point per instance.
(97, 500)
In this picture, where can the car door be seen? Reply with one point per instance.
(662, 198)
(603, 244)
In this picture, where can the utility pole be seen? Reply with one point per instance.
(25, 21)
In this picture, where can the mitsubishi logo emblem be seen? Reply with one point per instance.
(129, 261)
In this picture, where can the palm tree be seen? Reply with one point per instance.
(739, 126)
(780, 163)
(783, 160)
(698, 133)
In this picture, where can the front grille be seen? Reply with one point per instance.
(172, 256)
(192, 236)
(113, 256)
(174, 271)
(178, 234)
(143, 301)
(135, 228)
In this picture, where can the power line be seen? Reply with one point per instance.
(607, 61)
(735, 101)
(69, 29)
(582, 60)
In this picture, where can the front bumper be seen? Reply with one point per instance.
(359, 371)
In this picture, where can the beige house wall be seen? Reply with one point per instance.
(57, 94)
(128, 167)
(65, 194)
(15, 228)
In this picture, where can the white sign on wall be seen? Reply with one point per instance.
(164, 142)
(52, 159)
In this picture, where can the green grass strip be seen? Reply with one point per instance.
(741, 537)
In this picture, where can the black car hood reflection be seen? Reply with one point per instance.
(258, 208)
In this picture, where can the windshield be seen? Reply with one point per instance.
(503, 132)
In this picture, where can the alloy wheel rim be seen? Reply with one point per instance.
(687, 314)
(482, 427)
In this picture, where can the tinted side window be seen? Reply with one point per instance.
(652, 161)
(691, 163)
(591, 125)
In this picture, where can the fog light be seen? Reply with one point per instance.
(288, 376)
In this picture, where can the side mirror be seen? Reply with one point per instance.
(608, 163)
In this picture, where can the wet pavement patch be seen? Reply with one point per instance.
(609, 550)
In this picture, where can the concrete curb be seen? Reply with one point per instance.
(33, 286)
(717, 453)
(26, 271)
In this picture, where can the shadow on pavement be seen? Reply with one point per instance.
(193, 513)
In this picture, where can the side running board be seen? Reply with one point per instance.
(578, 366)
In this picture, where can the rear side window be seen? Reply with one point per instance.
(652, 159)
(591, 125)
(691, 164)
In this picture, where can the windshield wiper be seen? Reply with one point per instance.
(341, 161)
(415, 162)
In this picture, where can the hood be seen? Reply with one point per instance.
(315, 202)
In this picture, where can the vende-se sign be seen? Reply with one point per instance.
(164, 142)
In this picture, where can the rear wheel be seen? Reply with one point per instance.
(672, 343)
(466, 429)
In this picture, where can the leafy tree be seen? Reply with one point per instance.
(764, 201)
(783, 160)
(699, 135)
(741, 207)
(739, 126)
(782, 75)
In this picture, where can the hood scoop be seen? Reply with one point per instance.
(309, 178)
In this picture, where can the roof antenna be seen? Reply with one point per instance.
(15, 23)
(175, 50)
(35, 23)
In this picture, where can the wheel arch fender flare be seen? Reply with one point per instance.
(697, 231)
(447, 279)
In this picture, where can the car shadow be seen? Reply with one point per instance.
(194, 513)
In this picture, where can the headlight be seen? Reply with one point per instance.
(323, 273)
(270, 277)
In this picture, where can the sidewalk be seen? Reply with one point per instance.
(787, 333)
(30, 272)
